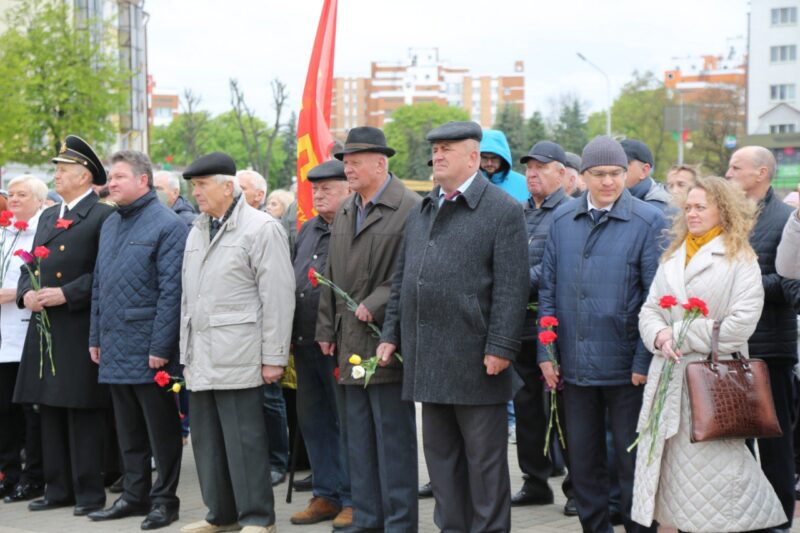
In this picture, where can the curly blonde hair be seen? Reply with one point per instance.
(737, 217)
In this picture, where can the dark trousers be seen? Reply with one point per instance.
(277, 428)
(466, 450)
(147, 419)
(532, 408)
(318, 418)
(231, 454)
(383, 458)
(777, 455)
(586, 445)
(12, 422)
(73, 453)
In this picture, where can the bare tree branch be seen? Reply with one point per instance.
(194, 122)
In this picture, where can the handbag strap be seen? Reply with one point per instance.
(714, 356)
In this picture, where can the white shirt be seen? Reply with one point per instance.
(591, 206)
(14, 321)
(461, 189)
(74, 202)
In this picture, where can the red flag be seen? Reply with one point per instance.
(314, 139)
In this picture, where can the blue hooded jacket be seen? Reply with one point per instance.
(494, 141)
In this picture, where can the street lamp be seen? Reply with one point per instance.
(608, 87)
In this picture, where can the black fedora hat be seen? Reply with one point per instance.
(365, 139)
(76, 151)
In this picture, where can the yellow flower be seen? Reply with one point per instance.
(355, 359)
(176, 387)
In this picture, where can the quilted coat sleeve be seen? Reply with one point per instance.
(788, 260)
(747, 301)
(94, 316)
(169, 262)
(509, 285)
(275, 279)
(547, 287)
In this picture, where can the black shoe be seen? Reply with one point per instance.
(303, 485)
(83, 510)
(615, 517)
(25, 491)
(116, 487)
(6, 488)
(277, 477)
(160, 516)
(44, 504)
(558, 472)
(118, 509)
(425, 491)
(570, 508)
(527, 496)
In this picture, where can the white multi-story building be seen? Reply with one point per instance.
(773, 85)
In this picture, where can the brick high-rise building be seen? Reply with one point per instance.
(422, 77)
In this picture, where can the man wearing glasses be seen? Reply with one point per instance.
(599, 261)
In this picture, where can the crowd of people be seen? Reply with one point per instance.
(386, 299)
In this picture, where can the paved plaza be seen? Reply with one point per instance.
(15, 518)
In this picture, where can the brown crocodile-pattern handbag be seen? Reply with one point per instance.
(730, 399)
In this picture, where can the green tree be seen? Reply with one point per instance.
(569, 128)
(509, 120)
(720, 113)
(283, 176)
(535, 130)
(638, 113)
(57, 79)
(406, 134)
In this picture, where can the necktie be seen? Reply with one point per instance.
(452, 195)
(66, 211)
(596, 214)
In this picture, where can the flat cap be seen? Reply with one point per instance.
(329, 170)
(573, 161)
(211, 165)
(76, 151)
(456, 131)
(545, 152)
(637, 150)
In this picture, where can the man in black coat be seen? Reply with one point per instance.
(73, 405)
(775, 338)
(456, 311)
(545, 174)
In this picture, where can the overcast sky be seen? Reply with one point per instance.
(200, 44)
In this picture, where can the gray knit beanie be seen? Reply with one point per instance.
(602, 151)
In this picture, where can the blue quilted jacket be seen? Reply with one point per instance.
(594, 279)
(136, 297)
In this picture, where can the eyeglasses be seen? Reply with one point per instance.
(613, 174)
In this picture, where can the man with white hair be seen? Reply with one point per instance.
(236, 322)
(169, 191)
(254, 188)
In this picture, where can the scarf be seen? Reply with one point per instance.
(695, 243)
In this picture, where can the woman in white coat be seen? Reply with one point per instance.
(26, 195)
(710, 486)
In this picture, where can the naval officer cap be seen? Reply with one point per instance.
(76, 151)
(329, 170)
(211, 165)
(456, 131)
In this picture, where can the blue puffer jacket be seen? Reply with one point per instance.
(495, 142)
(594, 280)
(136, 297)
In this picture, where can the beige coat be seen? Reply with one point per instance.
(711, 486)
(787, 262)
(238, 301)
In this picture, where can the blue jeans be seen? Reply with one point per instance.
(319, 423)
(277, 428)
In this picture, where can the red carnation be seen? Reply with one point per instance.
(5, 221)
(6, 215)
(548, 322)
(336, 373)
(21, 225)
(63, 223)
(162, 378)
(696, 304)
(25, 256)
(312, 277)
(668, 301)
(41, 252)
(547, 337)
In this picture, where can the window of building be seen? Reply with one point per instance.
(784, 15)
(782, 128)
(783, 54)
(782, 92)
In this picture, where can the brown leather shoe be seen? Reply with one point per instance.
(344, 518)
(318, 510)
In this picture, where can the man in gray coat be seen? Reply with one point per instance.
(456, 311)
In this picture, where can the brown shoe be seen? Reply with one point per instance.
(343, 519)
(318, 509)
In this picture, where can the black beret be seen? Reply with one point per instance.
(329, 170)
(456, 131)
(637, 150)
(211, 165)
(76, 151)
